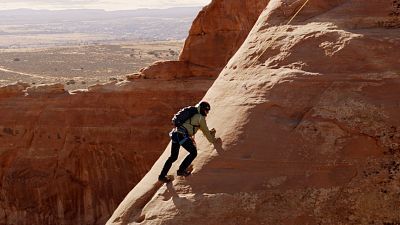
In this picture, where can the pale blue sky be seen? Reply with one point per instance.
(98, 4)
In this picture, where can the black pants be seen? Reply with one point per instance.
(188, 145)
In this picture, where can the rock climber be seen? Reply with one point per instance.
(193, 118)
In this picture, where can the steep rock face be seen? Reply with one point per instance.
(308, 115)
(71, 158)
(216, 34)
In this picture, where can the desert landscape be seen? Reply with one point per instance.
(78, 67)
(22, 28)
(80, 48)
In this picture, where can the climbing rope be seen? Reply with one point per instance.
(298, 11)
(291, 19)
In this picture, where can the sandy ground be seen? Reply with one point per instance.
(82, 66)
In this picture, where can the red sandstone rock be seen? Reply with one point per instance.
(133, 76)
(13, 89)
(216, 34)
(166, 70)
(309, 120)
(71, 159)
(45, 89)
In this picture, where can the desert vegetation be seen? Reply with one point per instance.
(81, 66)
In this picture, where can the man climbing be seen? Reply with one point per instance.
(187, 122)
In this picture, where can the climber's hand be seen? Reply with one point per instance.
(213, 131)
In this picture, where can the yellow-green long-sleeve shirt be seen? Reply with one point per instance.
(197, 122)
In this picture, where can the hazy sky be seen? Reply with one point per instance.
(98, 4)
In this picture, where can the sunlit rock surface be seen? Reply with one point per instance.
(309, 118)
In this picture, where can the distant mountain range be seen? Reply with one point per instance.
(38, 16)
(151, 24)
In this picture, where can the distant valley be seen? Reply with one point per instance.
(26, 28)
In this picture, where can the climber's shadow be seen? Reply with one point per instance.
(218, 146)
(181, 203)
(171, 192)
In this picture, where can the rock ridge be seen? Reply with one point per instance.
(216, 34)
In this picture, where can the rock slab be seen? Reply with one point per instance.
(308, 114)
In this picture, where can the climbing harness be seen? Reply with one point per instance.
(179, 135)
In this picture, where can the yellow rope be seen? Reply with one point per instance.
(298, 11)
(291, 19)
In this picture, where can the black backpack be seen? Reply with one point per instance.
(183, 115)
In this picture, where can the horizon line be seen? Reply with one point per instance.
(102, 9)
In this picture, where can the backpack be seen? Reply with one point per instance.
(184, 114)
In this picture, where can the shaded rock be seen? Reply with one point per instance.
(70, 159)
(216, 34)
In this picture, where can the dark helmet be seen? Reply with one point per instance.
(204, 108)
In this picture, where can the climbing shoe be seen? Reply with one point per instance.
(164, 179)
